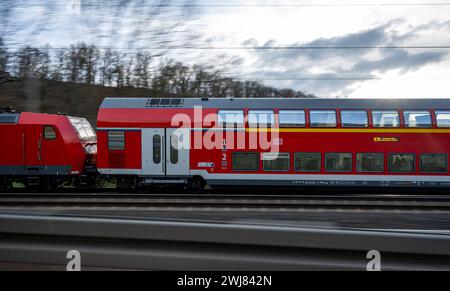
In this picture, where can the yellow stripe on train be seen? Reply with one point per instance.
(350, 130)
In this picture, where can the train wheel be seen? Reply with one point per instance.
(196, 184)
(125, 184)
(4, 183)
(50, 184)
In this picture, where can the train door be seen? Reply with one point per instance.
(50, 148)
(153, 152)
(177, 149)
(33, 146)
(165, 152)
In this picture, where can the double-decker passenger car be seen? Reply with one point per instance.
(44, 149)
(283, 141)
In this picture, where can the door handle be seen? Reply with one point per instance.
(23, 149)
(163, 154)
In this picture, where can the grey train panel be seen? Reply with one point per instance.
(323, 183)
(34, 170)
(287, 103)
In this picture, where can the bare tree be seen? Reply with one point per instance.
(164, 80)
(218, 84)
(183, 80)
(4, 56)
(58, 71)
(237, 89)
(89, 56)
(72, 65)
(107, 67)
(118, 70)
(32, 63)
(142, 70)
(199, 84)
(83, 63)
(129, 72)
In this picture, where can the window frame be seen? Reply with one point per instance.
(174, 150)
(258, 124)
(338, 171)
(225, 124)
(393, 171)
(386, 110)
(284, 170)
(363, 153)
(436, 113)
(323, 110)
(436, 154)
(123, 142)
(45, 134)
(157, 161)
(405, 122)
(354, 110)
(291, 124)
(309, 171)
(83, 128)
(245, 170)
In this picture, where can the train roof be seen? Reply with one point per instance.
(30, 118)
(280, 103)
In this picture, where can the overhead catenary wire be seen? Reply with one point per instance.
(223, 5)
(241, 47)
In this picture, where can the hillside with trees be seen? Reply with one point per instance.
(75, 80)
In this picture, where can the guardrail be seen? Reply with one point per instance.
(181, 245)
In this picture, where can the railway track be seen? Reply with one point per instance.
(375, 202)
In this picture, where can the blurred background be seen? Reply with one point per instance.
(66, 56)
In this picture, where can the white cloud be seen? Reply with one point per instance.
(428, 82)
(404, 25)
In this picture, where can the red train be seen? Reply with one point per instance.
(242, 141)
(45, 150)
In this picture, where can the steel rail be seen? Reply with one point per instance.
(281, 196)
(230, 203)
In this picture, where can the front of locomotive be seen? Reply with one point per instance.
(88, 140)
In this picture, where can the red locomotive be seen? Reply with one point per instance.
(237, 142)
(288, 142)
(45, 149)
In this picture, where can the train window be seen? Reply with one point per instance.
(433, 163)
(370, 162)
(245, 161)
(261, 118)
(49, 133)
(83, 128)
(292, 118)
(307, 162)
(385, 118)
(443, 118)
(116, 140)
(354, 118)
(419, 118)
(402, 162)
(322, 118)
(174, 149)
(276, 162)
(230, 118)
(156, 149)
(338, 162)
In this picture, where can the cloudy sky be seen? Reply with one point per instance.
(305, 45)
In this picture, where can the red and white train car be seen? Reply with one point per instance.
(289, 142)
(50, 148)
